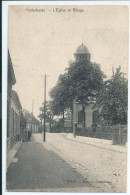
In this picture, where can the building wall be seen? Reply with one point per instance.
(14, 120)
(77, 111)
(35, 127)
(8, 107)
(9, 89)
(88, 116)
(11, 82)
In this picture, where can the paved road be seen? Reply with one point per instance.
(39, 169)
(103, 165)
(60, 165)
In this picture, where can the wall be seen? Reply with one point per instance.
(8, 108)
(88, 116)
(34, 127)
(116, 133)
(15, 120)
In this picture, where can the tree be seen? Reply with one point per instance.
(86, 80)
(49, 114)
(113, 100)
(82, 81)
(60, 95)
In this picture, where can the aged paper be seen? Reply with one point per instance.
(83, 152)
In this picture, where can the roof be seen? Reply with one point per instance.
(30, 118)
(11, 75)
(15, 99)
(82, 49)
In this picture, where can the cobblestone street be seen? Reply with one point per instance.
(66, 166)
(106, 165)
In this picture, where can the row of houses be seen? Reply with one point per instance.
(14, 111)
(33, 124)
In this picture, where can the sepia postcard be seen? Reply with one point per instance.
(67, 98)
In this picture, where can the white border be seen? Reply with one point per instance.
(4, 77)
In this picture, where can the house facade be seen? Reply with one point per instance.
(33, 124)
(16, 109)
(11, 81)
(13, 108)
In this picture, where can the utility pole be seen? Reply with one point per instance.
(44, 134)
(41, 124)
(74, 116)
(32, 114)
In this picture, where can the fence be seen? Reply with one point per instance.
(116, 133)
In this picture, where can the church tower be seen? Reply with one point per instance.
(82, 53)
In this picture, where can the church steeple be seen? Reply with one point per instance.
(82, 53)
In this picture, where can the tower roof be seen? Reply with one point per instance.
(82, 49)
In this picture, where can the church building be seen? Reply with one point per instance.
(82, 53)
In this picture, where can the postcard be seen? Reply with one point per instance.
(67, 98)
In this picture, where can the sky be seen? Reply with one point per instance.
(44, 41)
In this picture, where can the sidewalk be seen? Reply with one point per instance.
(11, 154)
(101, 143)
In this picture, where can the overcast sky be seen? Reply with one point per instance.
(43, 43)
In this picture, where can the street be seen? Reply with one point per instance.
(65, 98)
(62, 165)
